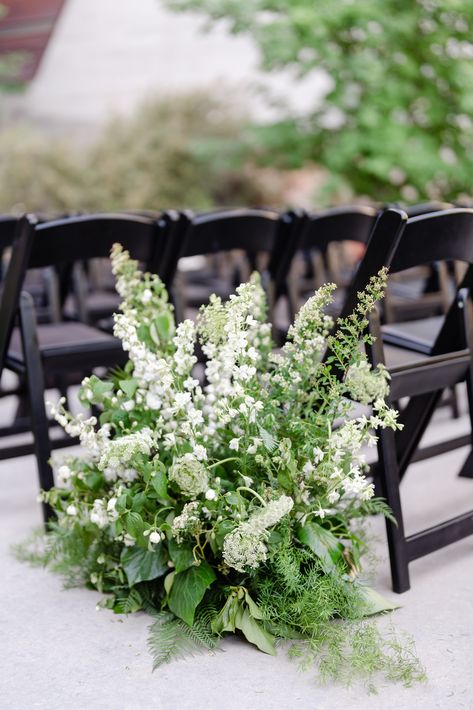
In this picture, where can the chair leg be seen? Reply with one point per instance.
(388, 478)
(466, 308)
(35, 380)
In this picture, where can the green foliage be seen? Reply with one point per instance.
(188, 589)
(227, 505)
(182, 151)
(298, 601)
(170, 638)
(141, 565)
(396, 122)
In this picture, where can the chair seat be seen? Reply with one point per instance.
(67, 345)
(418, 335)
(98, 304)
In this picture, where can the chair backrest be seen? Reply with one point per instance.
(61, 242)
(250, 230)
(425, 208)
(8, 225)
(338, 224)
(92, 236)
(402, 243)
(438, 236)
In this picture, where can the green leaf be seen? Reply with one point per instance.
(321, 541)
(253, 607)
(129, 387)
(181, 555)
(160, 484)
(375, 603)
(188, 590)
(138, 502)
(254, 632)
(226, 618)
(169, 581)
(164, 325)
(99, 388)
(134, 524)
(143, 565)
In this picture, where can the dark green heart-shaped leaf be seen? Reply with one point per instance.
(143, 565)
(188, 590)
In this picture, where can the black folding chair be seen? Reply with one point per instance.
(68, 350)
(313, 236)
(254, 232)
(401, 243)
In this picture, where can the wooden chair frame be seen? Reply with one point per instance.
(400, 243)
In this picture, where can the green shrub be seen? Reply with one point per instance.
(184, 151)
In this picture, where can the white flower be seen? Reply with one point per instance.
(153, 401)
(190, 475)
(98, 514)
(64, 473)
(187, 522)
(200, 452)
(234, 444)
(308, 468)
(146, 296)
(155, 537)
(210, 494)
(253, 448)
(244, 547)
(71, 510)
(181, 400)
(129, 540)
(111, 504)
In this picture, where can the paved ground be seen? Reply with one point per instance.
(58, 653)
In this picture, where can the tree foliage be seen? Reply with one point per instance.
(397, 122)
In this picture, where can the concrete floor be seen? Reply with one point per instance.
(58, 653)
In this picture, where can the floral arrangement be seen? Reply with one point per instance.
(230, 502)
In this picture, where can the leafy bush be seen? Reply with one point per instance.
(396, 123)
(183, 151)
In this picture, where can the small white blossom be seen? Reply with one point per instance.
(234, 444)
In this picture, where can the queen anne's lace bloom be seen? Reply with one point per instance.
(366, 385)
(118, 453)
(190, 475)
(245, 546)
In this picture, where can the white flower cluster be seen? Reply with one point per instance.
(366, 385)
(187, 522)
(91, 440)
(190, 474)
(234, 340)
(117, 454)
(245, 546)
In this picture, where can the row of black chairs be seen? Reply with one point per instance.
(59, 354)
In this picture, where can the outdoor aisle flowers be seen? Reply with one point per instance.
(230, 503)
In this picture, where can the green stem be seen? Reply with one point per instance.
(218, 463)
(254, 493)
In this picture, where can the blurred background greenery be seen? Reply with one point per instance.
(395, 125)
(397, 122)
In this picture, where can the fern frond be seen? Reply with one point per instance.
(377, 506)
(170, 638)
(129, 604)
